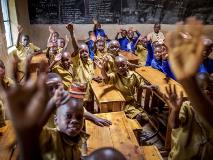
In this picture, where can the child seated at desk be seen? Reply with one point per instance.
(54, 81)
(100, 48)
(130, 45)
(24, 50)
(91, 44)
(53, 37)
(141, 49)
(160, 61)
(123, 40)
(126, 82)
(99, 32)
(193, 134)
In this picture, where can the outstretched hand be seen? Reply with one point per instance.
(70, 27)
(185, 48)
(174, 101)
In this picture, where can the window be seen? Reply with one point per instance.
(6, 20)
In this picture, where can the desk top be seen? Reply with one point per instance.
(106, 93)
(156, 77)
(119, 135)
(130, 56)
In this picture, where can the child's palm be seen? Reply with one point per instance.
(185, 48)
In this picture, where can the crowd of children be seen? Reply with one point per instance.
(48, 113)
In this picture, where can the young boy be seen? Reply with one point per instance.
(123, 40)
(62, 66)
(5, 83)
(91, 44)
(130, 45)
(53, 37)
(156, 35)
(98, 31)
(127, 82)
(100, 48)
(54, 82)
(141, 50)
(24, 50)
(194, 136)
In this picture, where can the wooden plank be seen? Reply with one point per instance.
(134, 124)
(106, 93)
(119, 135)
(130, 57)
(99, 136)
(156, 77)
(151, 153)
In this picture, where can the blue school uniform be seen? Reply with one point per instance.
(208, 64)
(90, 44)
(99, 32)
(123, 43)
(150, 54)
(131, 44)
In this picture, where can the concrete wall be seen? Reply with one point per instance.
(39, 33)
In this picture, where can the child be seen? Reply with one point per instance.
(62, 45)
(62, 66)
(194, 135)
(130, 45)
(100, 48)
(53, 37)
(98, 31)
(127, 82)
(123, 40)
(156, 35)
(54, 82)
(141, 50)
(90, 43)
(5, 83)
(160, 61)
(24, 50)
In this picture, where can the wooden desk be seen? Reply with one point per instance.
(130, 57)
(119, 136)
(155, 77)
(107, 97)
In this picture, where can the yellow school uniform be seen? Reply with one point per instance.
(194, 137)
(127, 85)
(141, 52)
(156, 36)
(22, 53)
(66, 75)
(6, 84)
(84, 74)
(57, 146)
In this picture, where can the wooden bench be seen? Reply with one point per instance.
(108, 97)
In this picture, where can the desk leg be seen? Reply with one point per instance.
(147, 100)
(139, 95)
(168, 137)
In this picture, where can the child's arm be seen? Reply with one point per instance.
(74, 42)
(117, 34)
(185, 55)
(26, 104)
(150, 54)
(66, 43)
(174, 103)
(102, 65)
(20, 30)
(94, 22)
(51, 30)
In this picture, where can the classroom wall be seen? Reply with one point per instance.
(39, 32)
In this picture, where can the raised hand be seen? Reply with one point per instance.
(185, 48)
(174, 101)
(20, 29)
(94, 21)
(58, 57)
(70, 27)
(51, 30)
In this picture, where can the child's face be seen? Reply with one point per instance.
(25, 41)
(121, 67)
(156, 28)
(130, 34)
(2, 73)
(206, 51)
(65, 60)
(98, 26)
(100, 45)
(123, 33)
(53, 84)
(60, 42)
(114, 47)
(69, 117)
(158, 52)
(84, 52)
(55, 36)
